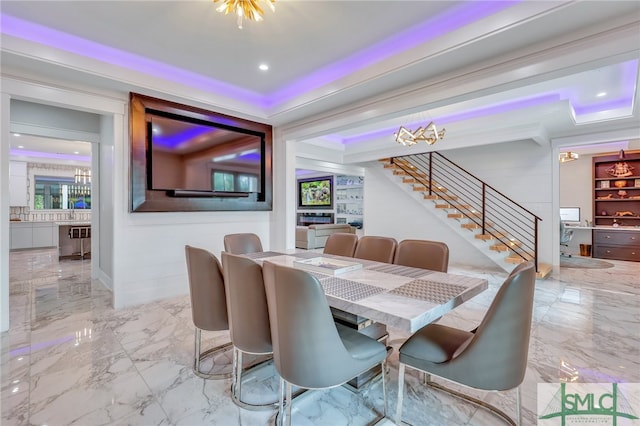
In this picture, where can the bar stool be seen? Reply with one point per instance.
(80, 232)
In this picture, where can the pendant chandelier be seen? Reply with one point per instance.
(428, 134)
(249, 9)
(83, 176)
(565, 157)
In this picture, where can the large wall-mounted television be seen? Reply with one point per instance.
(198, 158)
(185, 158)
(315, 193)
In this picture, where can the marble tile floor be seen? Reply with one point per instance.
(70, 359)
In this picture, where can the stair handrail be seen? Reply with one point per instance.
(412, 165)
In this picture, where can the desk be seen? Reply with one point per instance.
(398, 296)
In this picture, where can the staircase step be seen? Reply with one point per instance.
(455, 215)
(444, 206)
(485, 237)
(409, 180)
(449, 197)
(461, 206)
(499, 247)
(431, 197)
(420, 188)
(470, 226)
(544, 270)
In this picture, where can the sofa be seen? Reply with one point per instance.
(315, 236)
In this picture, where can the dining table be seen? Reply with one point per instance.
(401, 297)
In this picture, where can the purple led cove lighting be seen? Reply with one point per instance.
(628, 79)
(452, 19)
(49, 37)
(466, 115)
(23, 153)
(626, 102)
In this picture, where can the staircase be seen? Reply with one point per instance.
(502, 229)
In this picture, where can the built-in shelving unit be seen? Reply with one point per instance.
(349, 198)
(616, 204)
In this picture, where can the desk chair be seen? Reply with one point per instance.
(492, 357)
(208, 304)
(242, 243)
(565, 236)
(248, 318)
(433, 255)
(380, 249)
(310, 350)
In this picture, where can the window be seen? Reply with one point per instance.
(60, 193)
(234, 182)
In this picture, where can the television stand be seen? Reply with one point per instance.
(306, 219)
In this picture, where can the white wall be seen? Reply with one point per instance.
(393, 213)
(576, 191)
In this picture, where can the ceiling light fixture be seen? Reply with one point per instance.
(263, 67)
(428, 134)
(83, 176)
(249, 9)
(565, 157)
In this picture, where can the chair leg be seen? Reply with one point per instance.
(199, 356)
(518, 406)
(400, 391)
(384, 387)
(495, 410)
(236, 385)
(236, 390)
(289, 403)
(280, 415)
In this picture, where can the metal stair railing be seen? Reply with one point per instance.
(495, 214)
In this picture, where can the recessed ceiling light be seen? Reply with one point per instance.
(16, 134)
(20, 146)
(76, 152)
(601, 94)
(263, 67)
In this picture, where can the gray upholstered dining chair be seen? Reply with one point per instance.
(492, 357)
(425, 254)
(380, 249)
(310, 350)
(243, 243)
(248, 318)
(208, 304)
(341, 244)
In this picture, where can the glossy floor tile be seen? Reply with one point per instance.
(69, 359)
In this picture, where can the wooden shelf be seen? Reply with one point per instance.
(624, 244)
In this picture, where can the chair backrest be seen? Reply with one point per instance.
(206, 288)
(433, 255)
(307, 349)
(247, 304)
(499, 349)
(341, 244)
(242, 243)
(565, 234)
(381, 249)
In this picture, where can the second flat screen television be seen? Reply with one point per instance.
(315, 193)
